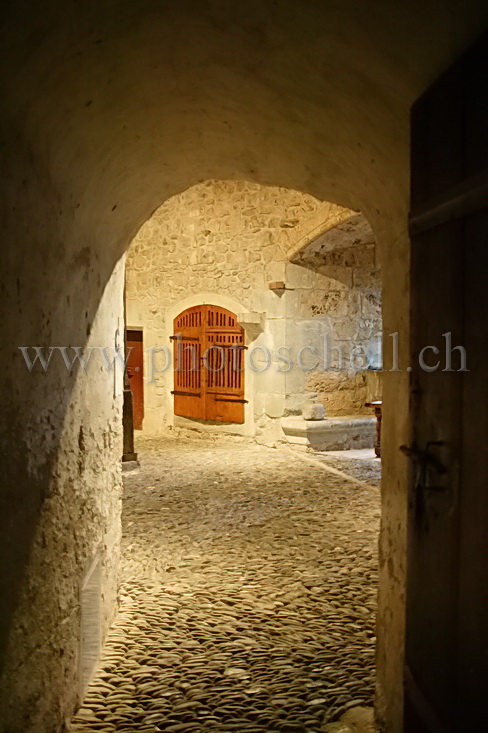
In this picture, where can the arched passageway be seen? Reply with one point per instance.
(232, 540)
(108, 111)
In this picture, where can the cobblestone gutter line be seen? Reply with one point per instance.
(248, 595)
(348, 469)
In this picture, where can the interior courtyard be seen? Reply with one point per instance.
(303, 282)
(233, 232)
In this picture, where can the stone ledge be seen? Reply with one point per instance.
(251, 318)
(332, 433)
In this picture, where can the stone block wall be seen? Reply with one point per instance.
(224, 242)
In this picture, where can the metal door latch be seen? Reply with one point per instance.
(425, 458)
(427, 465)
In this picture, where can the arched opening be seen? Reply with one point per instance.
(278, 233)
(303, 278)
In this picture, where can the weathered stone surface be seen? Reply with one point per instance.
(342, 392)
(331, 433)
(344, 235)
(313, 410)
(358, 719)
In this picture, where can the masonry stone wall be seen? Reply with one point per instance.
(232, 239)
(348, 296)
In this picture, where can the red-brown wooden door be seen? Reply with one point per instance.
(135, 371)
(209, 365)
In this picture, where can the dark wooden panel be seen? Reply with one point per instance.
(447, 579)
(135, 371)
(437, 155)
(472, 640)
(433, 526)
(475, 81)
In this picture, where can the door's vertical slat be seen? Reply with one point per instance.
(225, 395)
(189, 397)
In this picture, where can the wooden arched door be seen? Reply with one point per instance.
(209, 364)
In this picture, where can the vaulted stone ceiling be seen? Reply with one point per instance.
(348, 230)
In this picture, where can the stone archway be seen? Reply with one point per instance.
(159, 362)
(266, 248)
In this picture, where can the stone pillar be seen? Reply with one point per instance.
(128, 426)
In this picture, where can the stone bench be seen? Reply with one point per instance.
(331, 433)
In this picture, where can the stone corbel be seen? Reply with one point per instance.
(252, 323)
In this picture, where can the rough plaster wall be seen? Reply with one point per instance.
(350, 229)
(110, 108)
(61, 445)
(232, 238)
(345, 253)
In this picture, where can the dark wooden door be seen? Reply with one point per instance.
(446, 670)
(209, 365)
(135, 371)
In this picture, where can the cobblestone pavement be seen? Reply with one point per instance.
(367, 470)
(248, 595)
